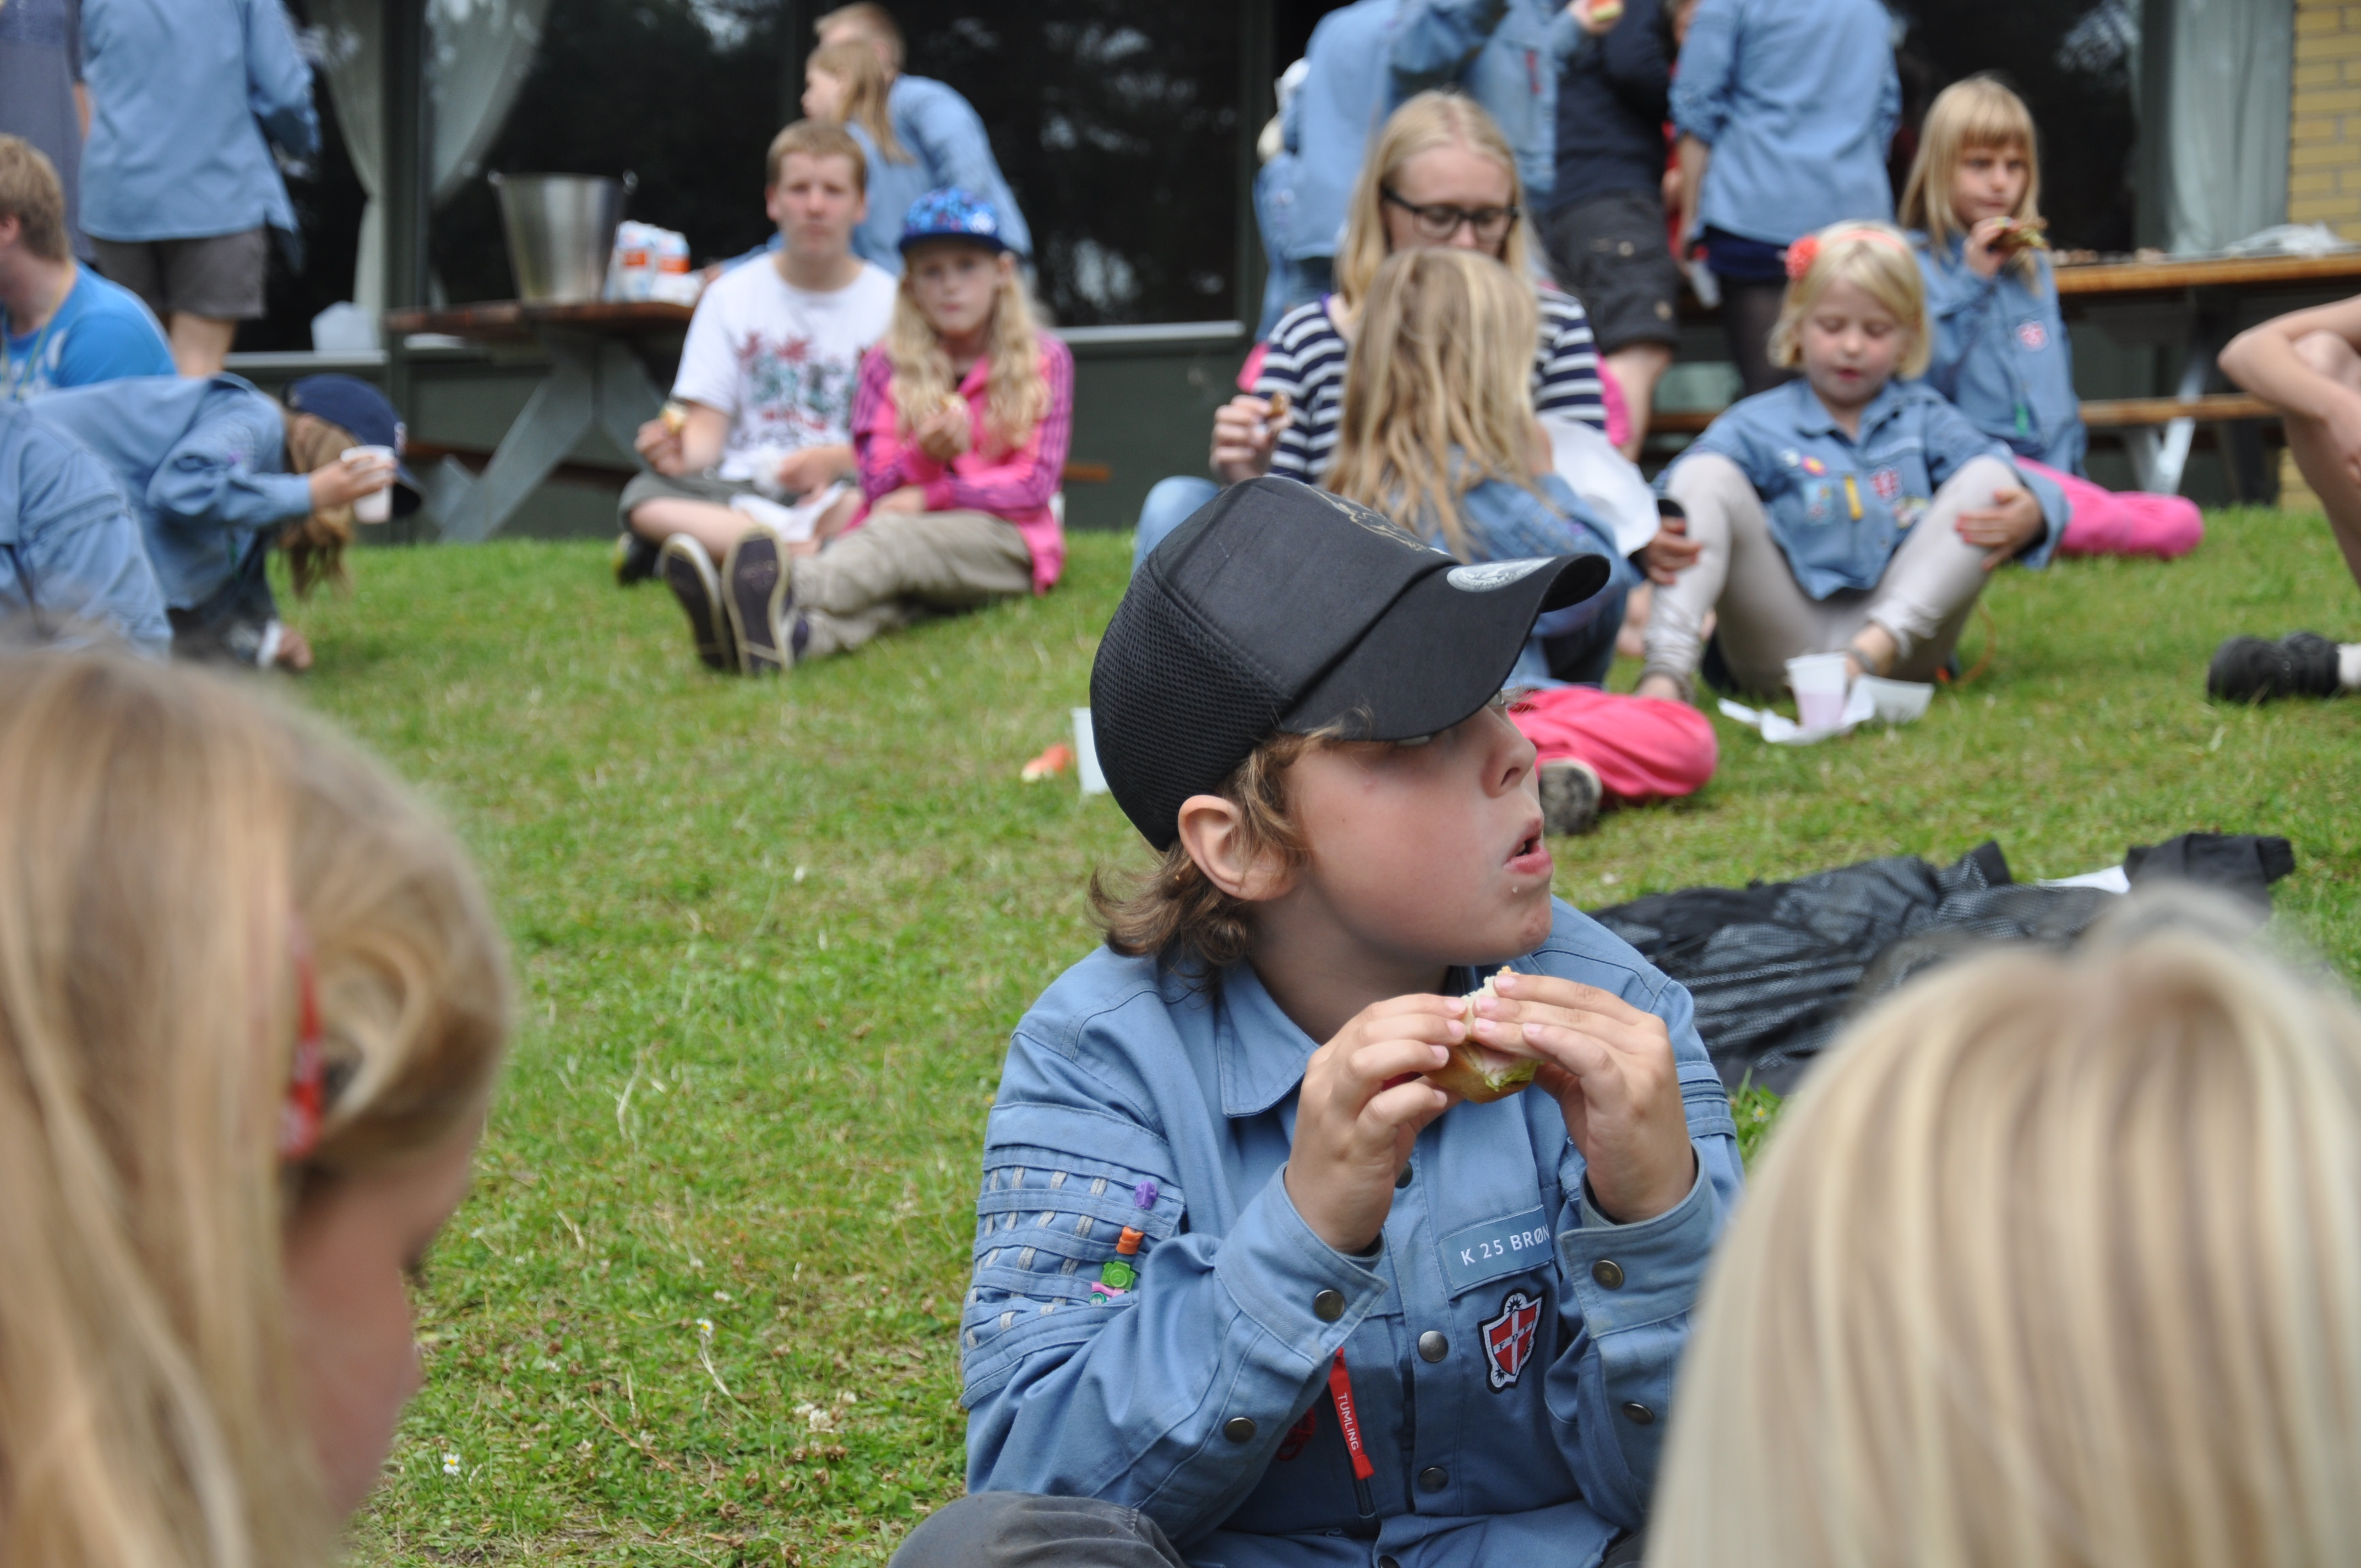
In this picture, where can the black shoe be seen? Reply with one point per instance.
(2247, 669)
(634, 560)
(759, 588)
(1570, 796)
(687, 570)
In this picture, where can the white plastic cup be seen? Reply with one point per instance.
(1818, 682)
(377, 505)
(1086, 754)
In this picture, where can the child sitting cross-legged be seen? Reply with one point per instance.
(1245, 1279)
(2000, 351)
(1845, 511)
(960, 428)
(1438, 434)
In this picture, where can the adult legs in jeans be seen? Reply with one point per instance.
(1921, 601)
(1749, 310)
(1168, 506)
(1006, 1530)
(897, 564)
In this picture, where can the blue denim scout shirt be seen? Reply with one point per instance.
(1839, 507)
(935, 121)
(69, 549)
(2000, 354)
(1797, 99)
(1505, 54)
(1328, 126)
(203, 464)
(186, 103)
(1511, 1352)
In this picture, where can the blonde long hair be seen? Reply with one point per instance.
(1017, 395)
(315, 544)
(1977, 114)
(1438, 391)
(1424, 123)
(1873, 258)
(165, 845)
(866, 90)
(2056, 1261)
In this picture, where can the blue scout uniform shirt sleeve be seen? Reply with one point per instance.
(278, 82)
(1951, 440)
(1434, 39)
(224, 471)
(1707, 82)
(69, 551)
(943, 128)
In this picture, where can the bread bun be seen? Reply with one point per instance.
(1476, 1073)
(2022, 235)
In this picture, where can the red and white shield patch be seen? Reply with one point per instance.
(1508, 1339)
(2034, 336)
(1887, 483)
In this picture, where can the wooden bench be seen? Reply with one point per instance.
(2156, 433)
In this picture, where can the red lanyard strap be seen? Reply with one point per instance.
(1340, 1389)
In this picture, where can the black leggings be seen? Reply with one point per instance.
(1749, 310)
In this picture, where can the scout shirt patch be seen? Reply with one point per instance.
(2034, 336)
(1887, 483)
(1513, 1244)
(1508, 1339)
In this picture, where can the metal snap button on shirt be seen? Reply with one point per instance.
(1432, 1479)
(1638, 1414)
(1239, 1429)
(1433, 1346)
(1608, 1273)
(1328, 1306)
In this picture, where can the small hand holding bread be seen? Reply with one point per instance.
(674, 416)
(1476, 1073)
(2021, 234)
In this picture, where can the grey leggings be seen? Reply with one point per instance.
(1924, 598)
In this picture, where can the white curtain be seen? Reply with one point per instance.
(479, 53)
(2216, 93)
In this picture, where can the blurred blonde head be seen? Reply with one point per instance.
(866, 87)
(1979, 115)
(1874, 258)
(1017, 395)
(1424, 123)
(2056, 1261)
(1438, 393)
(167, 847)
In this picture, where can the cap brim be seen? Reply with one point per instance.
(408, 497)
(1443, 648)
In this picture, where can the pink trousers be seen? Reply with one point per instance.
(2123, 522)
(1643, 748)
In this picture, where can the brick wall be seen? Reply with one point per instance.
(2324, 140)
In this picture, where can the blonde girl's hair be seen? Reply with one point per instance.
(2054, 1261)
(173, 856)
(1977, 114)
(1438, 390)
(1874, 257)
(1424, 123)
(1017, 395)
(315, 544)
(866, 87)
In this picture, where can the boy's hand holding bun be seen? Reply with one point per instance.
(1610, 1067)
(1360, 1109)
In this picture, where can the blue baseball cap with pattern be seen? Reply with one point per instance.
(949, 213)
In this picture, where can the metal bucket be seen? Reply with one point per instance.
(560, 228)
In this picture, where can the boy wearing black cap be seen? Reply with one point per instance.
(218, 475)
(1239, 1267)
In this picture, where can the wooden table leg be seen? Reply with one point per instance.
(561, 409)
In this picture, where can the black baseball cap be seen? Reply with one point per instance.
(353, 405)
(1280, 608)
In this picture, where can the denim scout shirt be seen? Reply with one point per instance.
(1511, 1352)
(1797, 99)
(1506, 522)
(70, 552)
(1505, 54)
(2000, 354)
(1839, 507)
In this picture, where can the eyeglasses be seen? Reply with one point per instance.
(1437, 224)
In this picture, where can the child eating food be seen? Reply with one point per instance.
(1999, 350)
(1845, 511)
(1229, 1237)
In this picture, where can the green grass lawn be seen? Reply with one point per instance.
(770, 939)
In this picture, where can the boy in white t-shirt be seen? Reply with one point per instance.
(750, 463)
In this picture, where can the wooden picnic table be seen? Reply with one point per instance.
(601, 355)
(2157, 433)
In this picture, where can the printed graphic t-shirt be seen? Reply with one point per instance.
(782, 362)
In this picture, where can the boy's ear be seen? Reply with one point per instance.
(1214, 832)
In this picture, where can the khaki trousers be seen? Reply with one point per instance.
(1766, 618)
(898, 566)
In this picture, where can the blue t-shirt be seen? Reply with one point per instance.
(101, 333)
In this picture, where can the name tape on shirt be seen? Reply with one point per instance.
(1513, 1244)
